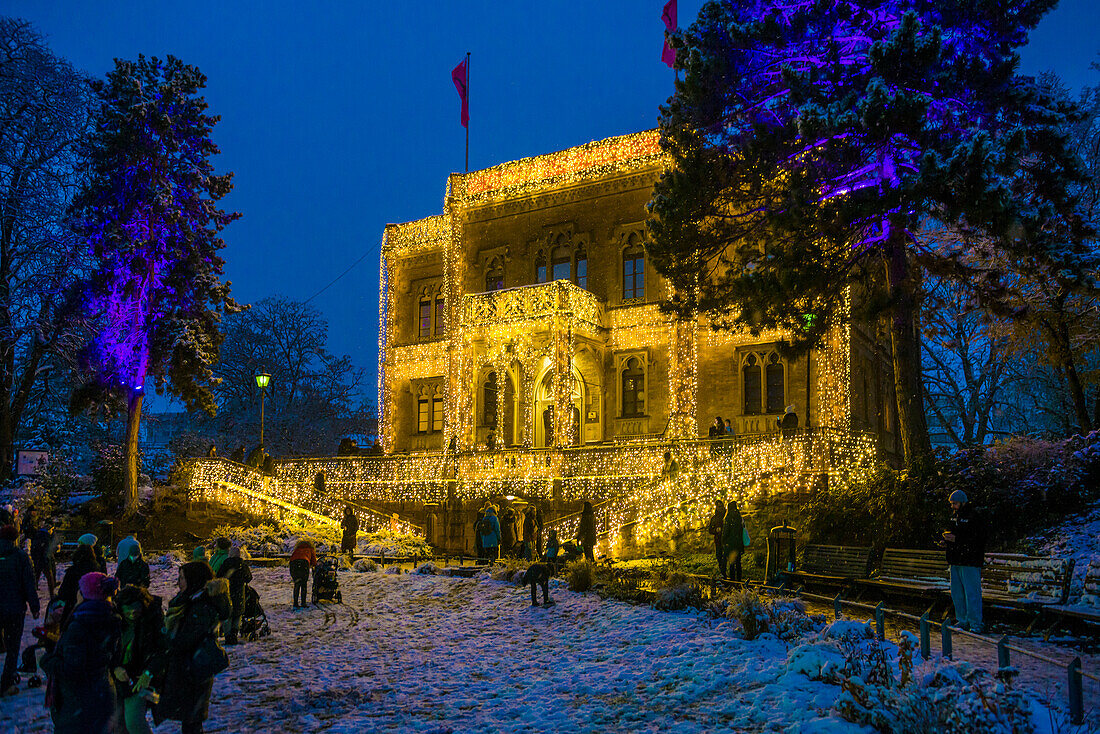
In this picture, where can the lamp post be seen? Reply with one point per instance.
(261, 382)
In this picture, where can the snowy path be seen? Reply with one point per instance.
(434, 654)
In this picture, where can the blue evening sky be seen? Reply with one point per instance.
(339, 117)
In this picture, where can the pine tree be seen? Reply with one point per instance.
(150, 217)
(810, 140)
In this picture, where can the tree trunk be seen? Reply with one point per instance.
(133, 423)
(1069, 370)
(908, 383)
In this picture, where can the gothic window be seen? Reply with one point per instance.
(634, 269)
(423, 415)
(561, 262)
(489, 400)
(437, 414)
(750, 384)
(540, 267)
(776, 387)
(633, 389)
(440, 314)
(582, 268)
(425, 320)
(494, 275)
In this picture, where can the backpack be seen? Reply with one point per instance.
(484, 527)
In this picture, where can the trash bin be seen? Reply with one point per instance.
(105, 531)
(780, 551)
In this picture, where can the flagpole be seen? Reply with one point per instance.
(467, 104)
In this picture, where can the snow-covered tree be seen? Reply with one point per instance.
(44, 111)
(810, 139)
(149, 213)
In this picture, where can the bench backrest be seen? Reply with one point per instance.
(1090, 594)
(837, 560)
(1032, 577)
(908, 563)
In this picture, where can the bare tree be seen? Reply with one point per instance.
(44, 114)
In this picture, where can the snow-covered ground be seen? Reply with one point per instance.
(414, 652)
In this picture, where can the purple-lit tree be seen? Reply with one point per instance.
(810, 140)
(149, 214)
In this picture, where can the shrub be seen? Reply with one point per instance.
(506, 569)
(579, 575)
(365, 565)
(109, 473)
(784, 617)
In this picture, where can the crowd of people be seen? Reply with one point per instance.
(496, 536)
(111, 651)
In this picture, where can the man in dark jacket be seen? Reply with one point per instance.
(235, 569)
(965, 543)
(715, 528)
(350, 526)
(17, 593)
(733, 539)
(44, 546)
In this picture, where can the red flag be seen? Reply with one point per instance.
(458, 76)
(668, 15)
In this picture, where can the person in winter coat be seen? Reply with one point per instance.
(29, 526)
(964, 541)
(301, 561)
(507, 532)
(192, 616)
(551, 554)
(17, 594)
(141, 646)
(479, 550)
(44, 546)
(132, 569)
(84, 562)
(220, 554)
(715, 528)
(81, 688)
(586, 531)
(529, 532)
(489, 530)
(733, 541)
(236, 571)
(350, 526)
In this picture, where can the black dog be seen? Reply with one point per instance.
(539, 575)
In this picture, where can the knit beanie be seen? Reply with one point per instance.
(96, 585)
(87, 539)
(196, 574)
(958, 496)
(199, 554)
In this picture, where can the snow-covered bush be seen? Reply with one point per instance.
(676, 591)
(784, 617)
(579, 575)
(393, 569)
(506, 569)
(365, 565)
(428, 568)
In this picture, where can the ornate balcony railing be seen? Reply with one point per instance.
(533, 303)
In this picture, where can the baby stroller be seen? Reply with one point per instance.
(325, 585)
(253, 618)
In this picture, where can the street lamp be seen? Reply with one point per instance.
(261, 382)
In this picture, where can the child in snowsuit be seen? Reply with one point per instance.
(47, 634)
(538, 574)
(301, 561)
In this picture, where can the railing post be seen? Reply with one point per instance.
(925, 637)
(1002, 652)
(880, 622)
(1076, 702)
(945, 639)
(836, 606)
(382, 559)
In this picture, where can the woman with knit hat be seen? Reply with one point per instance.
(193, 616)
(81, 689)
(84, 562)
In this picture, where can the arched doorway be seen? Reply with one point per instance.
(490, 404)
(544, 408)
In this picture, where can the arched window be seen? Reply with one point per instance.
(750, 383)
(425, 317)
(561, 262)
(634, 269)
(582, 268)
(540, 267)
(489, 400)
(494, 275)
(776, 386)
(440, 314)
(633, 389)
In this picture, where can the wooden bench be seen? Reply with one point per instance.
(1087, 608)
(1025, 581)
(911, 572)
(832, 565)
